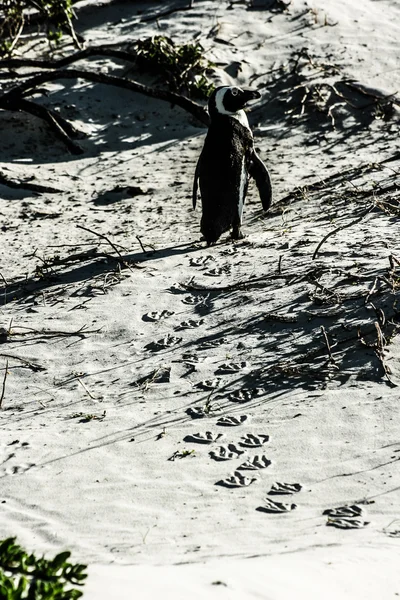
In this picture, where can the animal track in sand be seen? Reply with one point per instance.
(244, 395)
(231, 421)
(227, 368)
(196, 299)
(163, 343)
(347, 511)
(346, 523)
(177, 288)
(157, 316)
(18, 469)
(211, 344)
(253, 441)
(209, 384)
(271, 506)
(236, 480)
(255, 463)
(217, 271)
(226, 452)
(201, 260)
(190, 324)
(346, 517)
(280, 488)
(198, 412)
(208, 437)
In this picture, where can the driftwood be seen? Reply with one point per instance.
(14, 99)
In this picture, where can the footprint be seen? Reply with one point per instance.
(19, 469)
(279, 488)
(232, 421)
(346, 511)
(253, 441)
(196, 299)
(346, 523)
(197, 412)
(160, 375)
(226, 452)
(346, 517)
(190, 324)
(212, 344)
(209, 384)
(271, 506)
(201, 260)
(244, 395)
(255, 463)
(177, 288)
(236, 480)
(163, 343)
(217, 271)
(228, 368)
(157, 316)
(203, 438)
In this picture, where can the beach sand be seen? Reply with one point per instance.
(133, 396)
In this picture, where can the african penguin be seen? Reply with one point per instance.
(226, 163)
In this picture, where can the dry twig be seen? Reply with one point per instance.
(3, 389)
(334, 231)
(120, 258)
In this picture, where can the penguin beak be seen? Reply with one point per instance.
(249, 95)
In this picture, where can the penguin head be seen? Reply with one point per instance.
(228, 100)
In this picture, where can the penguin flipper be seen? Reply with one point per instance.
(260, 174)
(196, 183)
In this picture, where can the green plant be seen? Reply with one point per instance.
(15, 15)
(183, 68)
(24, 576)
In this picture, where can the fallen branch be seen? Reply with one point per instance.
(120, 258)
(379, 349)
(334, 231)
(81, 332)
(3, 390)
(14, 99)
(33, 187)
(29, 364)
(331, 360)
(5, 287)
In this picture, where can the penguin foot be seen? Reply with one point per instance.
(237, 234)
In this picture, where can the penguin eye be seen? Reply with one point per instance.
(234, 91)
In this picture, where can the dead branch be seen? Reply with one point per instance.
(143, 246)
(372, 291)
(81, 332)
(331, 361)
(3, 390)
(105, 50)
(26, 185)
(379, 349)
(14, 99)
(334, 231)
(120, 258)
(5, 286)
(27, 363)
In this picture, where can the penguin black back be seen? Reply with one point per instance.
(227, 160)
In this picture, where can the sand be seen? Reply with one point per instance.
(113, 373)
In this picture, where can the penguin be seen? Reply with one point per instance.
(226, 163)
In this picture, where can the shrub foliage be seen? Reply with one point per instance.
(16, 15)
(24, 576)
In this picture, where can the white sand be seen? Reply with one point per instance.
(105, 489)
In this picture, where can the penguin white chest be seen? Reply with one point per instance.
(242, 118)
(242, 189)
